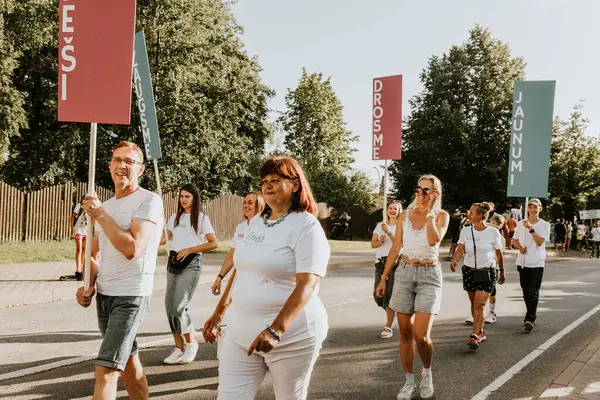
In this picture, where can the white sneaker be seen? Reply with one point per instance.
(408, 391)
(469, 320)
(491, 318)
(175, 357)
(190, 352)
(426, 385)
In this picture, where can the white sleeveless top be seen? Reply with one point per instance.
(415, 244)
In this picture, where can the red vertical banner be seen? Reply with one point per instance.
(387, 118)
(95, 58)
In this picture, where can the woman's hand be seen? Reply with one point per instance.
(501, 278)
(183, 254)
(216, 287)
(264, 342)
(385, 228)
(453, 266)
(380, 291)
(210, 326)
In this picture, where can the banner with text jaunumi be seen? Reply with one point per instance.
(530, 139)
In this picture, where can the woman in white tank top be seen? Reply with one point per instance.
(417, 291)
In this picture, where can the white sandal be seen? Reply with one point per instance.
(386, 333)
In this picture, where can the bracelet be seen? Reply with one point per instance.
(220, 276)
(274, 333)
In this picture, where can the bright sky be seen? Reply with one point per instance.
(354, 41)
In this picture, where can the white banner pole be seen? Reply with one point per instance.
(525, 212)
(159, 191)
(385, 191)
(87, 273)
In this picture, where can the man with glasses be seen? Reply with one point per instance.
(128, 232)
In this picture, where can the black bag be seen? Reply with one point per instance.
(176, 265)
(487, 275)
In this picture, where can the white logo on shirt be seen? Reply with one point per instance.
(257, 239)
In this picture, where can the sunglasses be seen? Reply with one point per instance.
(423, 190)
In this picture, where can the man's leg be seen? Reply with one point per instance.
(524, 281)
(535, 281)
(105, 386)
(135, 380)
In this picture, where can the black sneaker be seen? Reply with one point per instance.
(528, 326)
(78, 276)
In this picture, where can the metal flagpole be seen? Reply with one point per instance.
(87, 273)
(159, 191)
(385, 191)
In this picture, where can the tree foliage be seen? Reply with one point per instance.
(459, 128)
(574, 167)
(211, 104)
(342, 191)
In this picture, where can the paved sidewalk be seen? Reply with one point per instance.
(24, 284)
(580, 379)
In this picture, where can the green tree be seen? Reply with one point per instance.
(211, 105)
(574, 167)
(316, 133)
(342, 191)
(459, 128)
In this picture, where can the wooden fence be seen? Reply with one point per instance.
(46, 214)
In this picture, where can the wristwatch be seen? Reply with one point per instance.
(531, 230)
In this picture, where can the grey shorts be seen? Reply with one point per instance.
(119, 318)
(417, 289)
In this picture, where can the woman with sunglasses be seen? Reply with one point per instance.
(482, 246)
(417, 292)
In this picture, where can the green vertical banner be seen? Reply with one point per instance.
(530, 139)
(145, 99)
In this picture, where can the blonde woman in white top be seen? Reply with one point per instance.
(253, 204)
(383, 237)
(417, 293)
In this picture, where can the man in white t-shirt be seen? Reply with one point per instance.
(128, 235)
(596, 240)
(529, 237)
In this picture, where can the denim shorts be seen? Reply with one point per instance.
(417, 289)
(119, 318)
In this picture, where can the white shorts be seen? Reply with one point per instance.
(290, 367)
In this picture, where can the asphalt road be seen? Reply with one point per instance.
(354, 363)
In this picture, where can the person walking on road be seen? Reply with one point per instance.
(454, 226)
(530, 238)
(78, 233)
(560, 235)
(498, 222)
(128, 235)
(383, 237)
(482, 246)
(192, 234)
(253, 204)
(596, 240)
(511, 223)
(569, 236)
(279, 265)
(581, 231)
(417, 293)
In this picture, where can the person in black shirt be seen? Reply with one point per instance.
(560, 235)
(457, 220)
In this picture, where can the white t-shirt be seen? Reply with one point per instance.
(267, 261)
(487, 242)
(184, 235)
(596, 234)
(384, 249)
(80, 227)
(581, 229)
(240, 233)
(118, 276)
(536, 255)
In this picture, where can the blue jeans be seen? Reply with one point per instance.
(180, 290)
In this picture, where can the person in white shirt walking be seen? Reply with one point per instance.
(596, 240)
(383, 237)
(128, 235)
(192, 234)
(253, 204)
(530, 237)
(78, 233)
(482, 246)
(279, 265)
(417, 293)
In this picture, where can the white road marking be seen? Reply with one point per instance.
(505, 377)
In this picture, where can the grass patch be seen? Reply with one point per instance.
(23, 253)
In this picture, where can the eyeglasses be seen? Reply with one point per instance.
(129, 161)
(423, 190)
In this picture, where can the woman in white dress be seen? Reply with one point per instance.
(417, 293)
(276, 321)
(254, 203)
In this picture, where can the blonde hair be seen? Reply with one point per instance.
(132, 146)
(484, 209)
(437, 186)
(497, 220)
(387, 212)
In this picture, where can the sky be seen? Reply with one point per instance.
(354, 41)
